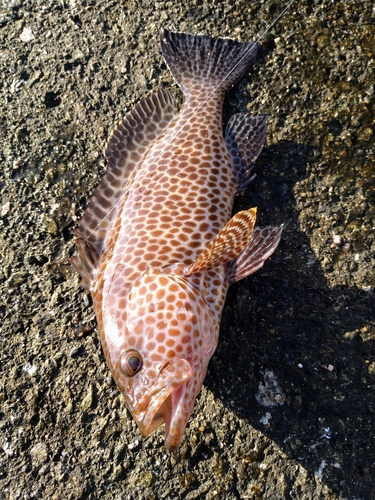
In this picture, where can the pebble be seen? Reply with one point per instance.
(73, 351)
(27, 35)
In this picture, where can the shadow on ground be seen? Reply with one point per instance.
(295, 355)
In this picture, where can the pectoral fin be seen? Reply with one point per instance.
(227, 244)
(263, 243)
(85, 262)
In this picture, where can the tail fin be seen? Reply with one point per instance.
(214, 63)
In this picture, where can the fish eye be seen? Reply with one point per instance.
(130, 362)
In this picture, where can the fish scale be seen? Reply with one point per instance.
(157, 246)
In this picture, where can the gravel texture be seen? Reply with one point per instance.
(287, 409)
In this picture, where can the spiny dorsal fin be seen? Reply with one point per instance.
(263, 243)
(198, 62)
(125, 150)
(228, 244)
(244, 136)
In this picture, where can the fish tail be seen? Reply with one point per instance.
(201, 62)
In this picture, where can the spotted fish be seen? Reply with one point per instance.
(157, 247)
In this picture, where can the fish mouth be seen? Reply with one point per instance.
(168, 406)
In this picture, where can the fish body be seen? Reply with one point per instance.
(157, 247)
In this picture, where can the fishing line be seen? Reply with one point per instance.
(177, 133)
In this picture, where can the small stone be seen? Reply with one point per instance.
(50, 225)
(88, 400)
(73, 351)
(30, 369)
(17, 279)
(337, 239)
(5, 209)
(27, 35)
(279, 399)
(39, 453)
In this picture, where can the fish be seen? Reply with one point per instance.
(158, 246)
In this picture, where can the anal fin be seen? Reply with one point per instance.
(244, 136)
(263, 243)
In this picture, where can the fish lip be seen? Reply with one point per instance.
(165, 411)
(154, 415)
(166, 405)
(175, 427)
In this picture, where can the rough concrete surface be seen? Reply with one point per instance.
(287, 408)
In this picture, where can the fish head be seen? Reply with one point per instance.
(166, 344)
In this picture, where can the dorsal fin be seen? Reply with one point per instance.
(227, 244)
(124, 151)
(263, 243)
(244, 136)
